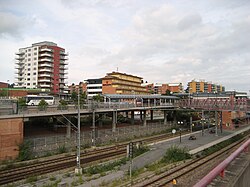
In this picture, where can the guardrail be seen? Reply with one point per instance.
(88, 107)
(221, 167)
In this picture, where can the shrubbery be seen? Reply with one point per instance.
(175, 154)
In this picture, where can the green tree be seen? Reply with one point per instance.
(98, 98)
(63, 105)
(42, 105)
(22, 102)
(168, 92)
(74, 96)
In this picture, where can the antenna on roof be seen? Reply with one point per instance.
(116, 69)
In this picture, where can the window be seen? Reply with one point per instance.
(28, 74)
(29, 49)
(28, 84)
(35, 53)
(35, 49)
(34, 58)
(28, 59)
(28, 69)
(34, 73)
(34, 83)
(28, 64)
(28, 79)
(34, 68)
(29, 54)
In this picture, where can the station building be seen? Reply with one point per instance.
(122, 83)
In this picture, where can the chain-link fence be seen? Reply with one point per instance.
(54, 144)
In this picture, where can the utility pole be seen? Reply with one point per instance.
(78, 169)
(93, 128)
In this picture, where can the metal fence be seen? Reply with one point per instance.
(51, 144)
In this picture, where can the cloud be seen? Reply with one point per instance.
(10, 24)
(157, 40)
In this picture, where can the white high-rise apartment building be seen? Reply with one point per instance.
(43, 65)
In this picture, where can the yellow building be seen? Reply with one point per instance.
(122, 83)
(203, 86)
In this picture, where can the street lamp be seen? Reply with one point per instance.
(180, 123)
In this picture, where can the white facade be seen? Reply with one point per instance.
(43, 65)
(94, 87)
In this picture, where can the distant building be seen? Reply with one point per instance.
(158, 88)
(195, 86)
(94, 87)
(82, 87)
(122, 83)
(42, 65)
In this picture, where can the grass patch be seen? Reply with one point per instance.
(221, 145)
(100, 169)
(175, 154)
(32, 179)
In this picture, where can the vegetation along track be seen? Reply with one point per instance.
(166, 178)
(67, 161)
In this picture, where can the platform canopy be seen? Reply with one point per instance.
(127, 96)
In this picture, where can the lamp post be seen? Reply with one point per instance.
(133, 92)
(78, 169)
(189, 98)
(202, 122)
(7, 94)
(216, 115)
(180, 124)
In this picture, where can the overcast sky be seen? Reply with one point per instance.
(163, 41)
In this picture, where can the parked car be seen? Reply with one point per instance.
(212, 131)
(192, 137)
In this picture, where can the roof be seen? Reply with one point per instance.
(126, 96)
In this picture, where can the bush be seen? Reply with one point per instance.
(175, 154)
(63, 105)
(25, 151)
(42, 105)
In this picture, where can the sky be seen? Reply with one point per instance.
(162, 41)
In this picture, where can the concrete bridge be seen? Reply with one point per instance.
(12, 125)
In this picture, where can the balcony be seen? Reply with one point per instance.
(62, 62)
(63, 57)
(45, 60)
(46, 50)
(63, 77)
(45, 70)
(63, 68)
(46, 55)
(45, 65)
(20, 58)
(20, 53)
(62, 73)
(44, 75)
(19, 67)
(63, 53)
(19, 62)
(45, 85)
(44, 80)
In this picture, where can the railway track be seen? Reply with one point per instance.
(64, 162)
(165, 179)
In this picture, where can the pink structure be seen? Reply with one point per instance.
(219, 170)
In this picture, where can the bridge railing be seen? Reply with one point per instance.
(90, 107)
(222, 166)
(216, 104)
